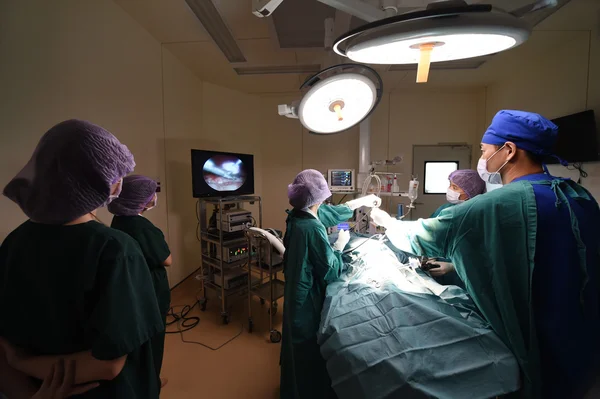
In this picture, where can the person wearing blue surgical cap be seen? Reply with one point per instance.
(528, 254)
(88, 285)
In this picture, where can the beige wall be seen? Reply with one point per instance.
(560, 82)
(402, 119)
(90, 60)
(199, 115)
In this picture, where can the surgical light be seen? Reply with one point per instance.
(445, 31)
(336, 98)
(337, 104)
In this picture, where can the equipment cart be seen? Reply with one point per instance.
(225, 250)
(269, 262)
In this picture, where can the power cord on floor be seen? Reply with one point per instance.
(184, 323)
(210, 347)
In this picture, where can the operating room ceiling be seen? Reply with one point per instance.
(222, 42)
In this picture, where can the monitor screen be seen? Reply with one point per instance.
(341, 178)
(436, 176)
(221, 174)
(577, 140)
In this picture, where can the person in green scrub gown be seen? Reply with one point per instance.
(529, 255)
(70, 287)
(137, 197)
(465, 184)
(310, 264)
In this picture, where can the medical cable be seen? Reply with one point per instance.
(365, 187)
(343, 198)
(410, 208)
(181, 318)
(378, 236)
(185, 323)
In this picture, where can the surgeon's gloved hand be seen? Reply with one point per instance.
(342, 241)
(371, 201)
(381, 218)
(437, 269)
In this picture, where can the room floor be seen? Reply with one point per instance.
(247, 367)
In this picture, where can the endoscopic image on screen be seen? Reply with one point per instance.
(224, 173)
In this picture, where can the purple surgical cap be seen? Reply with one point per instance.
(469, 181)
(70, 173)
(308, 188)
(529, 131)
(137, 192)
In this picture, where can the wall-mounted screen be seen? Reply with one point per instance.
(436, 176)
(577, 138)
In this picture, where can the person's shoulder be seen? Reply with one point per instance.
(307, 224)
(507, 196)
(15, 233)
(441, 208)
(117, 242)
(129, 221)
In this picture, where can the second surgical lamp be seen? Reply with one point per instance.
(336, 99)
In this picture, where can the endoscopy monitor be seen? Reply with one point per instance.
(577, 138)
(221, 174)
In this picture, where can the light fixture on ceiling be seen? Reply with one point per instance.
(336, 99)
(445, 31)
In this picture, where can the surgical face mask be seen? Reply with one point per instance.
(492, 178)
(453, 197)
(154, 203)
(116, 194)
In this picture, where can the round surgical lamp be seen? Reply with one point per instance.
(339, 97)
(445, 31)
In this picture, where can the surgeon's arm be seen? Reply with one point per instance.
(332, 215)
(327, 262)
(423, 237)
(88, 368)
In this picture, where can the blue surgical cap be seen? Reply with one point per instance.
(529, 131)
(70, 173)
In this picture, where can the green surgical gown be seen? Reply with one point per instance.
(450, 278)
(84, 287)
(309, 265)
(490, 239)
(440, 209)
(156, 251)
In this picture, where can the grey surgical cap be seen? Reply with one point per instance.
(70, 173)
(308, 188)
(137, 192)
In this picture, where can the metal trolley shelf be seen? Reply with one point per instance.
(213, 240)
(270, 289)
